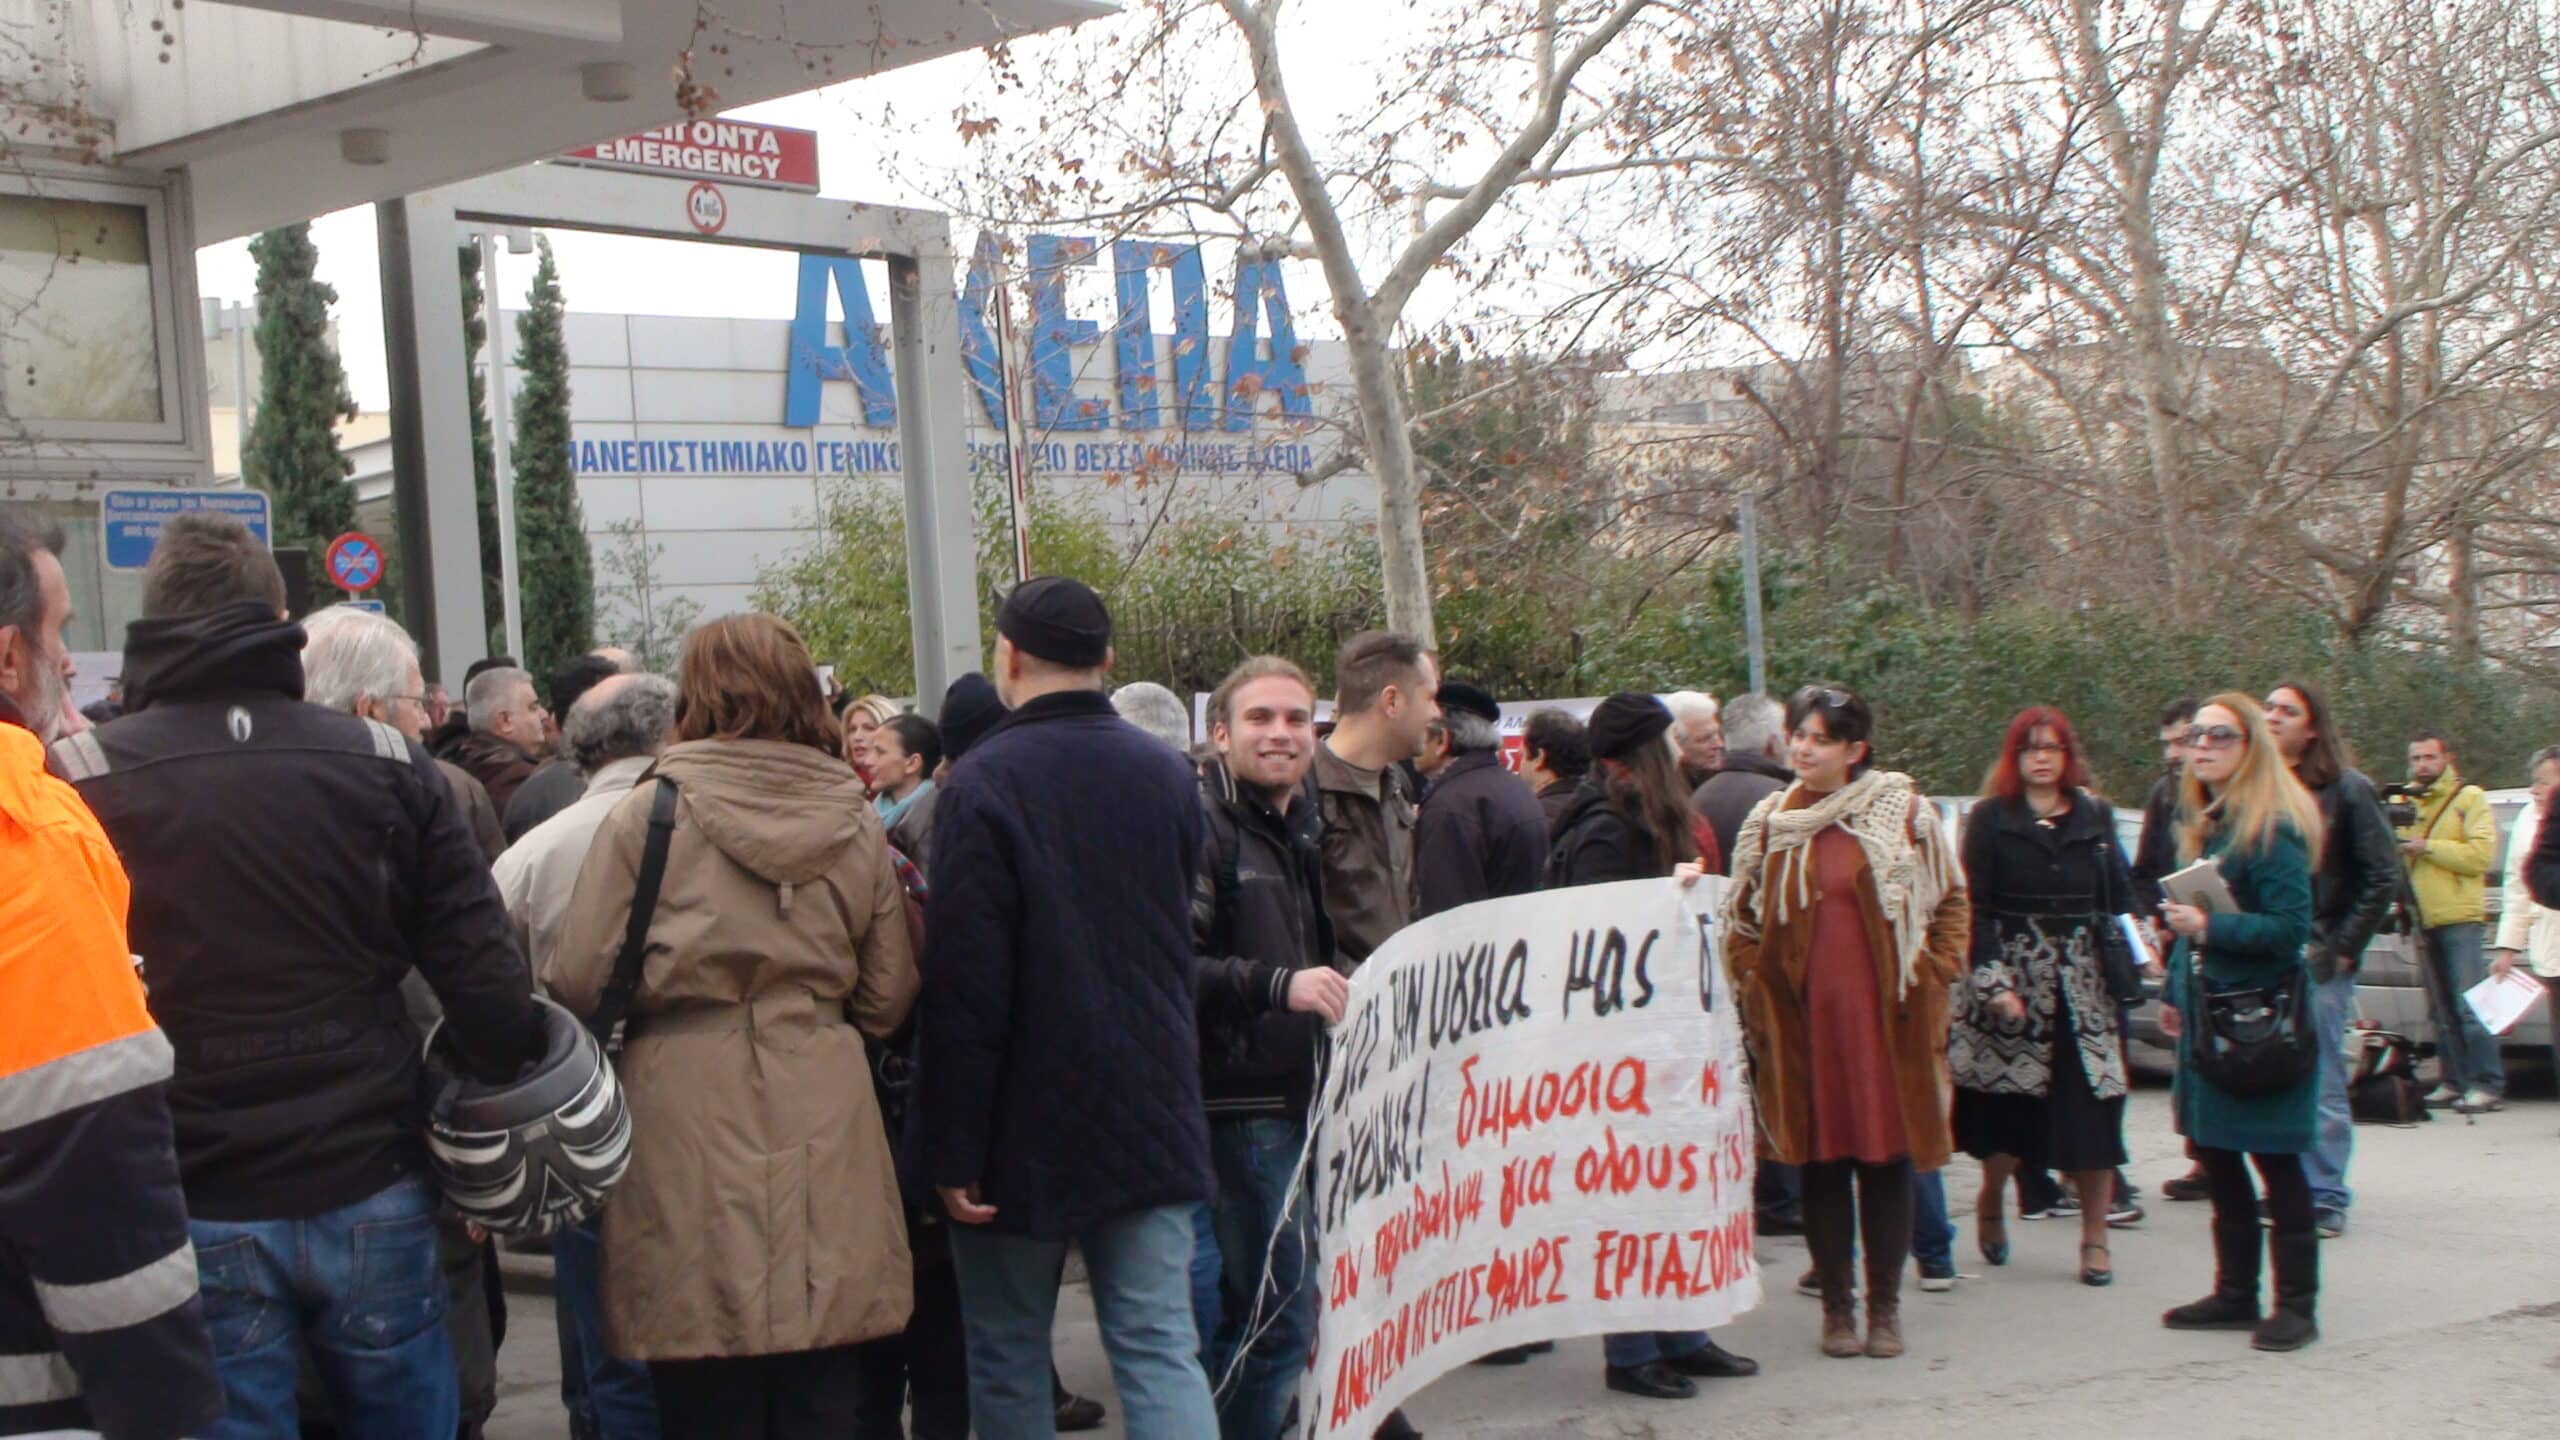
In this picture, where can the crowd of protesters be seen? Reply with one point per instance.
(903, 1008)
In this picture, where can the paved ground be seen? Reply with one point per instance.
(2441, 1316)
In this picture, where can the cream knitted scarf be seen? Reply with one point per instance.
(1913, 872)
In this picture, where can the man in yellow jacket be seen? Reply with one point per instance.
(100, 1328)
(2449, 851)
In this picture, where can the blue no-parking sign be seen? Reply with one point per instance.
(355, 562)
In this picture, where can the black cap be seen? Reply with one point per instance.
(1625, 723)
(1058, 620)
(1469, 699)
(969, 710)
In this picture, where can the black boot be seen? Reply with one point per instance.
(2291, 1325)
(2233, 1305)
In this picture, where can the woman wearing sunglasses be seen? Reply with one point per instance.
(2040, 1077)
(2242, 807)
(1845, 923)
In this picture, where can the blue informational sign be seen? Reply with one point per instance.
(130, 520)
(371, 606)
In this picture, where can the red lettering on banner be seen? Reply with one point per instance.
(1526, 1182)
(1346, 1281)
(1450, 1308)
(1614, 1168)
(1710, 1085)
(1504, 1106)
(1432, 1214)
(1671, 1265)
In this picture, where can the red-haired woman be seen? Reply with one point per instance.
(2039, 1071)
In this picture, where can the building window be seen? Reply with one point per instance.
(85, 318)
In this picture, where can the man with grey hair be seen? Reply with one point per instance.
(1156, 710)
(1697, 733)
(507, 734)
(1482, 834)
(362, 664)
(614, 733)
(1755, 766)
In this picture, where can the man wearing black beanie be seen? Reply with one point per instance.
(1058, 1084)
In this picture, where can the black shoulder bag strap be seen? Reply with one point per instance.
(644, 908)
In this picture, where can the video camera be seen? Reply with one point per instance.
(2400, 803)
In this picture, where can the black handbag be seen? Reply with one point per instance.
(2256, 1039)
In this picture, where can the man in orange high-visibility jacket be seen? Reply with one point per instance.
(100, 1327)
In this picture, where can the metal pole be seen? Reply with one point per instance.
(1751, 595)
(942, 564)
(431, 434)
(1017, 438)
(242, 317)
(501, 420)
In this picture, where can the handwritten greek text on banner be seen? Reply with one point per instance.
(1536, 1125)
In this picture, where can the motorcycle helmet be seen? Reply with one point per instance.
(539, 1152)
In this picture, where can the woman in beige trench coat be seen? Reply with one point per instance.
(757, 1236)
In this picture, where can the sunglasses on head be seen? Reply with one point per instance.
(2211, 737)
(1824, 696)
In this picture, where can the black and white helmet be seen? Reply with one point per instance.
(539, 1152)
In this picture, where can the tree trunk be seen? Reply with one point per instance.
(2462, 612)
(1389, 439)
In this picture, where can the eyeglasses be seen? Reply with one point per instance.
(2047, 749)
(1824, 696)
(2211, 737)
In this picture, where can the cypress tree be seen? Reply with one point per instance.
(484, 464)
(291, 450)
(553, 563)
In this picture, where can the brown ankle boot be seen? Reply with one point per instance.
(1884, 1331)
(1839, 1313)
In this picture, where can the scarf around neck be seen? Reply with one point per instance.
(893, 811)
(1774, 854)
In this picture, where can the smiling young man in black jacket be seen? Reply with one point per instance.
(2351, 894)
(290, 864)
(1267, 988)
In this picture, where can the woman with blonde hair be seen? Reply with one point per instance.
(2241, 807)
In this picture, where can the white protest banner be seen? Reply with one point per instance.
(1535, 1125)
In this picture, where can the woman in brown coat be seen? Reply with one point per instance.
(1845, 922)
(757, 1237)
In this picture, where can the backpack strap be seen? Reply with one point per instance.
(644, 908)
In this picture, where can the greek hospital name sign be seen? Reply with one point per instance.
(1195, 409)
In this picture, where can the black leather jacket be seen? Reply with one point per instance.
(2359, 875)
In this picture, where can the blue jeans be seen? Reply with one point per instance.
(1140, 1269)
(1933, 1235)
(2333, 1004)
(1643, 1347)
(2466, 1053)
(361, 1289)
(605, 1397)
(1272, 1322)
(1208, 1271)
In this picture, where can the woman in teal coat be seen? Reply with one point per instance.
(2242, 807)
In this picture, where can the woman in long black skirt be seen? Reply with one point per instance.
(2038, 1068)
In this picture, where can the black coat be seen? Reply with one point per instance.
(1482, 836)
(553, 788)
(2157, 854)
(289, 865)
(1730, 795)
(2359, 875)
(1595, 844)
(1257, 919)
(1058, 1061)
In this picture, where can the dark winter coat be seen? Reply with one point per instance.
(2157, 854)
(548, 791)
(478, 811)
(1058, 1062)
(2358, 879)
(290, 864)
(1369, 822)
(2043, 896)
(1482, 836)
(2257, 945)
(497, 764)
(1258, 918)
(1556, 799)
(1595, 844)
(1729, 796)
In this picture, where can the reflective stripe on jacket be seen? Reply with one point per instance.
(100, 1326)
